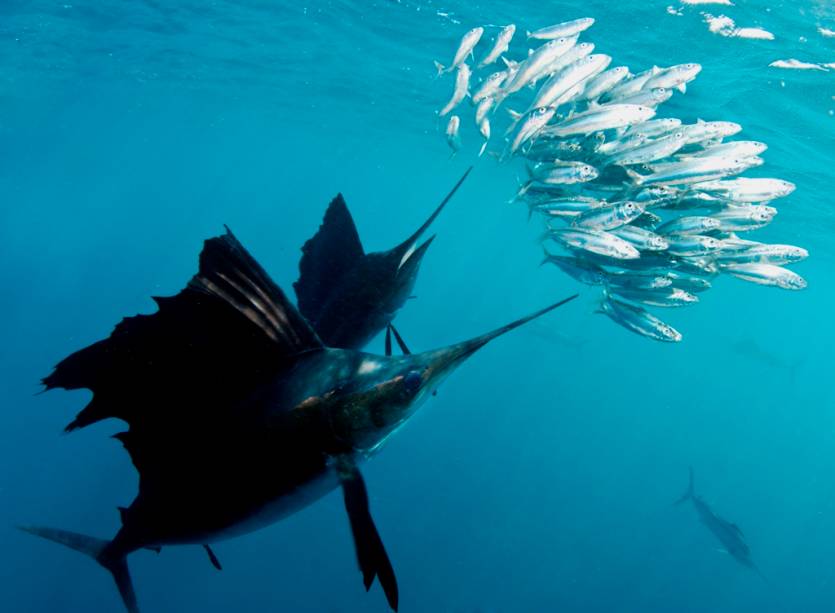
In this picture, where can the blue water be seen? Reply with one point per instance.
(541, 477)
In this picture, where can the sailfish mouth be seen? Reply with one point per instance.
(415, 254)
(408, 247)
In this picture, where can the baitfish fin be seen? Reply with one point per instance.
(371, 555)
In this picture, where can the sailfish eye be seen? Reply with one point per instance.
(412, 381)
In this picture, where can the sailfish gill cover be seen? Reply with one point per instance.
(542, 474)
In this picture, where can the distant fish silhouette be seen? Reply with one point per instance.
(238, 415)
(752, 350)
(728, 534)
(350, 296)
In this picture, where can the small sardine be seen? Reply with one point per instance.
(768, 274)
(664, 297)
(462, 85)
(764, 254)
(693, 171)
(489, 86)
(595, 241)
(567, 28)
(534, 123)
(609, 217)
(562, 173)
(749, 190)
(692, 244)
(499, 46)
(565, 206)
(570, 77)
(453, 138)
(688, 283)
(650, 151)
(637, 280)
(483, 109)
(576, 268)
(734, 149)
(746, 217)
(643, 239)
(674, 77)
(696, 224)
(638, 320)
(646, 97)
(602, 118)
(484, 130)
(602, 83)
(654, 127)
(465, 47)
(531, 68)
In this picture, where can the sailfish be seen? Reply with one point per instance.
(239, 415)
(350, 296)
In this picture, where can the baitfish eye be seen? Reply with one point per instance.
(412, 381)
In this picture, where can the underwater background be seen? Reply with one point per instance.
(542, 476)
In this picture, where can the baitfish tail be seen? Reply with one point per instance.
(690, 493)
(440, 68)
(99, 550)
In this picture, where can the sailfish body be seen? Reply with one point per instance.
(347, 295)
(239, 414)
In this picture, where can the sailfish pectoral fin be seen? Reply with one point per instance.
(371, 555)
(400, 342)
(388, 341)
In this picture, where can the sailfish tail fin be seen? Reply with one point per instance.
(690, 491)
(98, 550)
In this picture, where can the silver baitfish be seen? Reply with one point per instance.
(609, 217)
(646, 97)
(643, 239)
(453, 138)
(692, 244)
(695, 224)
(566, 206)
(500, 46)
(605, 117)
(465, 47)
(489, 86)
(562, 173)
(578, 269)
(749, 190)
(534, 123)
(462, 85)
(595, 241)
(567, 28)
(637, 320)
(768, 274)
(763, 254)
(690, 283)
(664, 297)
(746, 217)
(649, 151)
(602, 83)
(637, 280)
(674, 77)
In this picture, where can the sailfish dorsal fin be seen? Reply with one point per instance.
(230, 328)
(326, 259)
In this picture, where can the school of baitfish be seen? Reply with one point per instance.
(649, 208)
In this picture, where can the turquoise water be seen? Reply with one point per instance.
(541, 477)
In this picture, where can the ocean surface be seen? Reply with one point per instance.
(542, 476)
